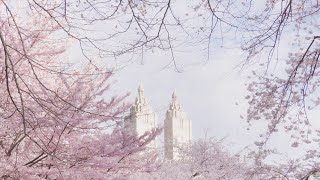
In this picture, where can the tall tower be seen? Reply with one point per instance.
(141, 118)
(177, 129)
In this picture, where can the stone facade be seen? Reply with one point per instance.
(141, 119)
(177, 127)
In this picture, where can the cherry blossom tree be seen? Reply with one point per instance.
(134, 27)
(208, 158)
(45, 96)
(59, 121)
(285, 98)
(129, 29)
(203, 159)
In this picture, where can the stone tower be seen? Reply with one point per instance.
(141, 118)
(177, 129)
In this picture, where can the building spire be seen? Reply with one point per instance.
(174, 95)
(175, 105)
(140, 99)
(141, 104)
(177, 128)
(141, 119)
(141, 90)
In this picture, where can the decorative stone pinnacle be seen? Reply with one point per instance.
(175, 105)
(174, 95)
(140, 93)
(141, 104)
(140, 88)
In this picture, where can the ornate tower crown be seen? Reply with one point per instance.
(177, 129)
(141, 99)
(175, 105)
(141, 104)
(141, 118)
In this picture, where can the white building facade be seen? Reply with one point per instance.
(177, 127)
(141, 119)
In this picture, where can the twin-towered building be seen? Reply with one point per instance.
(177, 127)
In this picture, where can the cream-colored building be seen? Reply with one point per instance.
(141, 119)
(177, 127)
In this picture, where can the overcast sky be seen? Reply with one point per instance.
(208, 92)
(211, 92)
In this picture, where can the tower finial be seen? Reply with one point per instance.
(174, 95)
(140, 92)
(141, 103)
(175, 104)
(140, 88)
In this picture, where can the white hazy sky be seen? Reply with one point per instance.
(208, 93)
(207, 89)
